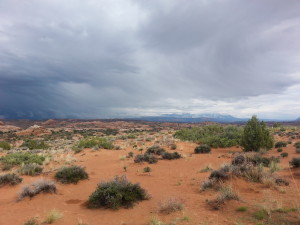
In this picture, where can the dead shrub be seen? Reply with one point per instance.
(39, 186)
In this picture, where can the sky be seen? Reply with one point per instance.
(128, 58)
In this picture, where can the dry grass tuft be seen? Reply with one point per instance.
(171, 205)
(53, 216)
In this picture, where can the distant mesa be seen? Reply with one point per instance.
(49, 122)
(1, 123)
(35, 130)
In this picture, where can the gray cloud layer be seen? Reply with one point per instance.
(127, 57)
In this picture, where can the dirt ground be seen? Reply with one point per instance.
(180, 178)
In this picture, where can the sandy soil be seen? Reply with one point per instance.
(180, 178)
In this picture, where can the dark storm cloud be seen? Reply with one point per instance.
(120, 58)
(234, 48)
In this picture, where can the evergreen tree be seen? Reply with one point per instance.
(256, 136)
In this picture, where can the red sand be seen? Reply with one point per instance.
(180, 178)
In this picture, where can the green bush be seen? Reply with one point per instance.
(241, 209)
(19, 158)
(157, 150)
(256, 136)
(279, 150)
(261, 214)
(280, 144)
(170, 156)
(116, 193)
(204, 148)
(31, 169)
(130, 155)
(71, 174)
(219, 175)
(297, 150)
(295, 162)
(91, 142)
(110, 131)
(150, 158)
(5, 145)
(147, 169)
(173, 146)
(35, 144)
(284, 154)
(10, 179)
(297, 144)
(260, 160)
(213, 135)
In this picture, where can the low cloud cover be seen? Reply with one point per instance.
(123, 58)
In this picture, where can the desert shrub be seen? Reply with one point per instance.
(19, 158)
(269, 181)
(241, 209)
(147, 169)
(170, 156)
(110, 131)
(274, 167)
(226, 193)
(116, 193)
(130, 155)
(39, 186)
(204, 148)
(210, 183)
(295, 162)
(256, 136)
(284, 154)
(250, 172)
(213, 135)
(139, 158)
(5, 145)
(31, 169)
(131, 136)
(171, 205)
(35, 144)
(157, 150)
(90, 142)
(280, 144)
(10, 179)
(260, 160)
(297, 150)
(150, 158)
(226, 168)
(297, 144)
(72, 174)
(279, 150)
(53, 216)
(216, 204)
(76, 149)
(238, 160)
(31, 221)
(219, 175)
(280, 181)
(173, 146)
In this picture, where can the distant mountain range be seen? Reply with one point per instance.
(197, 118)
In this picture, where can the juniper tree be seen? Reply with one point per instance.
(256, 136)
